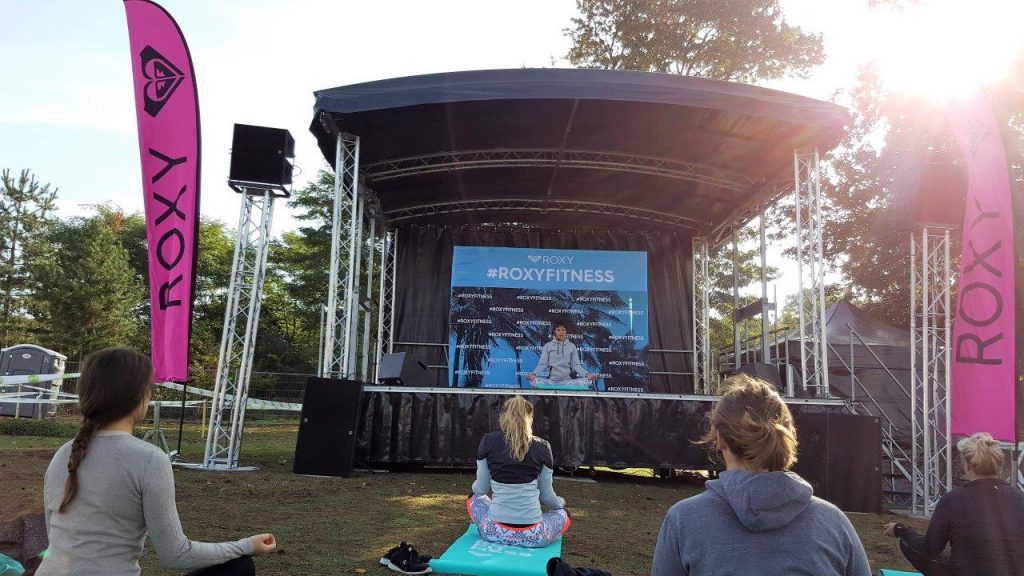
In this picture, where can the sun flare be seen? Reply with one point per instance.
(944, 49)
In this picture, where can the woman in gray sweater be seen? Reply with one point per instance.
(757, 518)
(106, 490)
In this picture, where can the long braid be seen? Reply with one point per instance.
(78, 449)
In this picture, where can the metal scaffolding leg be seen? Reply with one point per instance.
(702, 378)
(238, 340)
(344, 225)
(386, 304)
(930, 365)
(811, 273)
(737, 345)
(364, 370)
(382, 303)
(354, 284)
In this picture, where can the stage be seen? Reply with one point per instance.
(549, 161)
(839, 452)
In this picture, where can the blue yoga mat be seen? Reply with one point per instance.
(578, 387)
(574, 384)
(470, 554)
(10, 567)
(888, 572)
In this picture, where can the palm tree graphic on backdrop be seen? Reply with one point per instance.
(473, 343)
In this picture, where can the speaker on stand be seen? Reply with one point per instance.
(261, 159)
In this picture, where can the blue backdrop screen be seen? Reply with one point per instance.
(505, 300)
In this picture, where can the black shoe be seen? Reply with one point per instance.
(390, 553)
(408, 561)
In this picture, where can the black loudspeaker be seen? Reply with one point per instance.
(766, 372)
(327, 432)
(260, 158)
(401, 369)
(931, 192)
(840, 456)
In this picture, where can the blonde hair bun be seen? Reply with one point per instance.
(983, 453)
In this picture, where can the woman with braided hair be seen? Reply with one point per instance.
(757, 518)
(106, 490)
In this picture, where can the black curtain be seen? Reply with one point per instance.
(423, 286)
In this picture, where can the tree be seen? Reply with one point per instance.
(26, 214)
(87, 294)
(212, 276)
(871, 179)
(298, 280)
(735, 40)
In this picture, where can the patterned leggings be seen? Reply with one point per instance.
(553, 524)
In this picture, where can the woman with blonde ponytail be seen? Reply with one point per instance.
(982, 521)
(517, 468)
(106, 490)
(757, 518)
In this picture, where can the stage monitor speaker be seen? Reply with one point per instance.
(767, 372)
(327, 431)
(401, 369)
(260, 158)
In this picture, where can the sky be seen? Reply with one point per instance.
(67, 113)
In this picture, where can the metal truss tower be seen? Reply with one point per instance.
(930, 284)
(386, 302)
(811, 272)
(346, 238)
(703, 380)
(238, 340)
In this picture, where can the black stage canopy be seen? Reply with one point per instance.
(573, 148)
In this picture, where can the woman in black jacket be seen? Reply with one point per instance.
(983, 522)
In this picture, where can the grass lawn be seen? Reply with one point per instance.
(342, 525)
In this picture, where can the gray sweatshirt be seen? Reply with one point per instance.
(125, 491)
(561, 358)
(758, 523)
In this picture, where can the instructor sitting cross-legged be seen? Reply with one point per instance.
(561, 358)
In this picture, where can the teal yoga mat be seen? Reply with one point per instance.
(581, 387)
(887, 572)
(10, 567)
(472, 555)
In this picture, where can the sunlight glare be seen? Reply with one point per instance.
(944, 49)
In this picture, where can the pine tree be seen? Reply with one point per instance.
(88, 295)
(26, 214)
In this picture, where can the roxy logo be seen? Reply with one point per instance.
(554, 260)
(162, 79)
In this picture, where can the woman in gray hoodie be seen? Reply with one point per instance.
(757, 518)
(561, 357)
